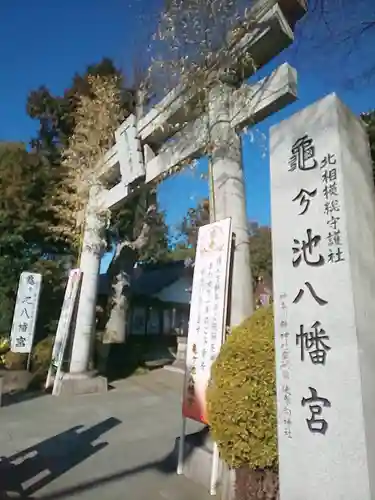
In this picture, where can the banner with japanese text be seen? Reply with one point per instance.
(25, 312)
(207, 314)
(70, 297)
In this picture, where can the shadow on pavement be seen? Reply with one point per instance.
(166, 465)
(41, 464)
(138, 355)
(15, 397)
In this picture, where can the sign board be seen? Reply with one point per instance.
(63, 327)
(323, 220)
(25, 312)
(207, 314)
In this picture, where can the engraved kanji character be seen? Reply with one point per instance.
(334, 238)
(304, 198)
(331, 206)
(20, 341)
(25, 313)
(330, 190)
(313, 342)
(304, 250)
(318, 299)
(333, 222)
(335, 256)
(30, 280)
(329, 175)
(303, 155)
(316, 425)
(328, 160)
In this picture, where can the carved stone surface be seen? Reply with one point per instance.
(323, 219)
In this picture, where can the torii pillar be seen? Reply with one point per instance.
(230, 198)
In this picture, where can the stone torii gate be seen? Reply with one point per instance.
(147, 149)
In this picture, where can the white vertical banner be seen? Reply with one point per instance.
(25, 312)
(207, 314)
(63, 327)
(207, 322)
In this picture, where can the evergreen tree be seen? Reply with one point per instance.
(25, 237)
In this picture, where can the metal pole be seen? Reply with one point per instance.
(181, 443)
(181, 448)
(214, 470)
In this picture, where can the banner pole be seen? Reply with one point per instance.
(214, 470)
(181, 448)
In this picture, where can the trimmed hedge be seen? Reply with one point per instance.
(241, 397)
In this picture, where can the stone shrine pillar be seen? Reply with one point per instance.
(323, 232)
(230, 198)
(92, 250)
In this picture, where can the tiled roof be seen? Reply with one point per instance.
(149, 280)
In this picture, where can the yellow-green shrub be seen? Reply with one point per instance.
(42, 354)
(4, 344)
(15, 360)
(241, 397)
(4, 348)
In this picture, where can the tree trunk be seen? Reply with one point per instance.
(115, 329)
(114, 334)
(120, 273)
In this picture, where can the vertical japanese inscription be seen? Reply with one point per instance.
(25, 312)
(206, 298)
(215, 327)
(332, 209)
(313, 341)
(191, 377)
(285, 369)
(200, 326)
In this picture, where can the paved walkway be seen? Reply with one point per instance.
(115, 446)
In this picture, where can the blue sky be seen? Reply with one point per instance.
(45, 43)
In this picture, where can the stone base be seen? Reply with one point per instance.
(72, 384)
(198, 453)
